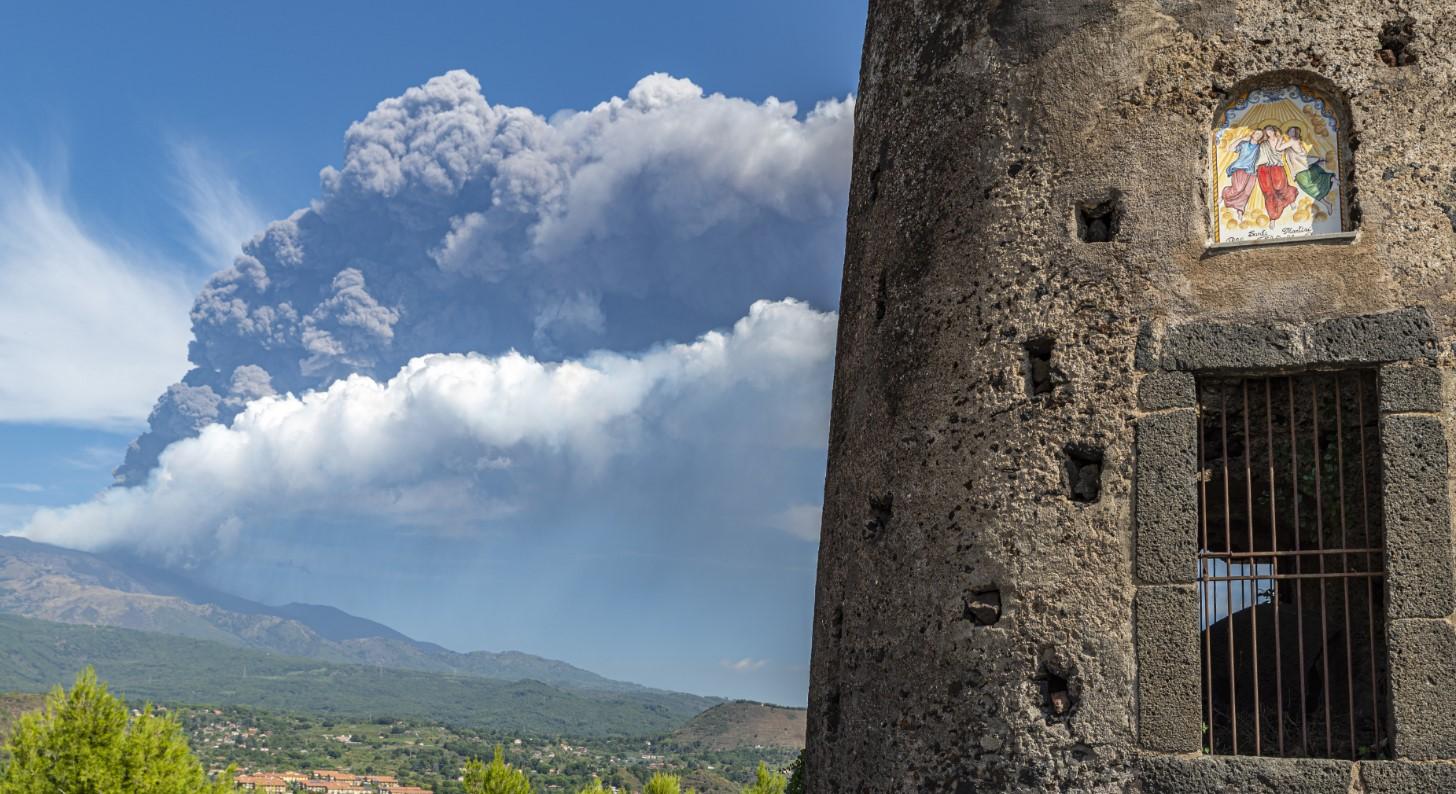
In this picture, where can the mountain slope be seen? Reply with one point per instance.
(66, 586)
(36, 655)
(739, 724)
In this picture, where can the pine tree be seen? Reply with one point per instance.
(663, 784)
(594, 788)
(497, 777)
(767, 782)
(83, 742)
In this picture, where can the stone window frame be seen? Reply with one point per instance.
(1420, 574)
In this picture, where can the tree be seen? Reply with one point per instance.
(767, 782)
(83, 742)
(663, 784)
(594, 788)
(497, 777)
(796, 776)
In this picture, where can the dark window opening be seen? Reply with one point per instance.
(1395, 42)
(1100, 221)
(1057, 698)
(1041, 378)
(1291, 568)
(1084, 472)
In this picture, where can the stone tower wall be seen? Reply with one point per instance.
(959, 583)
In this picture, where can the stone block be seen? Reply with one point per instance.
(1165, 507)
(1212, 346)
(1406, 388)
(1145, 354)
(1170, 709)
(1391, 336)
(1423, 700)
(1404, 777)
(1220, 774)
(1159, 390)
(1417, 517)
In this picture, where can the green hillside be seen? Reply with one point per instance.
(36, 655)
(740, 723)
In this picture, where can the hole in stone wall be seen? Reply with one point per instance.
(882, 509)
(983, 607)
(1099, 222)
(1057, 700)
(1084, 471)
(1040, 377)
(831, 713)
(879, 298)
(1395, 42)
(838, 622)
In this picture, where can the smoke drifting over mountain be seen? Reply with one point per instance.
(456, 226)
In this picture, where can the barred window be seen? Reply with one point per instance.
(1291, 566)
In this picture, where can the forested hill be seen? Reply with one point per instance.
(36, 655)
(68, 586)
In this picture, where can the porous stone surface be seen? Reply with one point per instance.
(981, 128)
(1168, 663)
(1418, 550)
(1422, 667)
(1218, 346)
(1184, 775)
(1165, 509)
(1402, 335)
(1158, 390)
(1407, 777)
(1405, 388)
(1390, 336)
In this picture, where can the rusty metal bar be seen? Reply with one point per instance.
(1284, 577)
(1205, 589)
(1274, 562)
(1228, 544)
(1298, 567)
(1319, 525)
(1253, 566)
(1345, 565)
(1369, 565)
(1291, 553)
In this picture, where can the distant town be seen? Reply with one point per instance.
(325, 780)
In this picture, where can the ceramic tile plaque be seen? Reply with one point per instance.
(1275, 156)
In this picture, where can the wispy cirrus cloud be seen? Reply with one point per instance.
(220, 213)
(800, 520)
(91, 326)
(744, 665)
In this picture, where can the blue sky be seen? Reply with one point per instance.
(644, 510)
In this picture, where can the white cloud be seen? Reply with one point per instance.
(800, 520)
(468, 435)
(23, 487)
(91, 329)
(13, 516)
(221, 215)
(744, 665)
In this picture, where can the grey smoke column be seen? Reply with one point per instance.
(455, 225)
(1033, 293)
